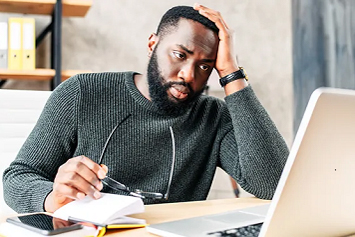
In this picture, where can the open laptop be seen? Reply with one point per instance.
(315, 195)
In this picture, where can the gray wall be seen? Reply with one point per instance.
(113, 37)
(324, 48)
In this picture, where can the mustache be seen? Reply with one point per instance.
(179, 83)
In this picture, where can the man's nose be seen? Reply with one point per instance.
(187, 73)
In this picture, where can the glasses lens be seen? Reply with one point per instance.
(115, 184)
(149, 195)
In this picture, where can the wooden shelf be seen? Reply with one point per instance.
(69, 8)
(74, 8)
(37, 74)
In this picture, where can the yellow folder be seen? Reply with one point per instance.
(28, 44)
(15, 44)
(101, 231)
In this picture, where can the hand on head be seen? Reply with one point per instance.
(226, 62)
(75, 179)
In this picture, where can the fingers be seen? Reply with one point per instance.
(75, 184)
(212, 15)
(65, 193)
(225, 61)
(97, 169)
(87, 169)
(79, 177)
(104, 167)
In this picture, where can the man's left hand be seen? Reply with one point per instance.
(226, 62)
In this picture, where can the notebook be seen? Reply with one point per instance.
(315, 195)
(109, 211)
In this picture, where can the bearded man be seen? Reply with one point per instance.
(154, 131)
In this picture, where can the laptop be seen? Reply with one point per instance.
(315, 195)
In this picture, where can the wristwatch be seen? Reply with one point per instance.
(240, 74)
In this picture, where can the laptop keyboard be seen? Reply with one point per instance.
(246, 231)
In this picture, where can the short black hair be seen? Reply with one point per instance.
(171, 18)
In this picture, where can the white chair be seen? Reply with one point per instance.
(19, 112)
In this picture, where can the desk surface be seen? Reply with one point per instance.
(159, 213)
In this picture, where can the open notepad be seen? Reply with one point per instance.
(109, 211)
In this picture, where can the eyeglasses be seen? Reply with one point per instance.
(137, 192)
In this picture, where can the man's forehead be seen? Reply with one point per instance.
(186, 26)
(192, 34)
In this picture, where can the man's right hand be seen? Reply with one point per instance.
(75, 179)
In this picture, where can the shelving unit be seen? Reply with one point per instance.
(57, 9)
(71, 8)
(41, 74)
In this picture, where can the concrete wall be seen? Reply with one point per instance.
(113, 37)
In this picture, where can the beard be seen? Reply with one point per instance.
(158, 91)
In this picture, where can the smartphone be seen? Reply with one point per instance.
(44, 224)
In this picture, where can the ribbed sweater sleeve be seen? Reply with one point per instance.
(254, 152)
(29, 179)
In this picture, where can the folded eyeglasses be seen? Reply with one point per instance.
(137, 192)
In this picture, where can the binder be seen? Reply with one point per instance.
(15, 45)
(3, 45)
(28, 44)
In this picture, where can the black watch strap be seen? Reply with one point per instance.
(240, 74)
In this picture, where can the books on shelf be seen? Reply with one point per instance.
(18, 44)
(23, 66)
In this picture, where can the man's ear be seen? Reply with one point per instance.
(153, 41)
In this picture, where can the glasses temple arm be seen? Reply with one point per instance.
(172, 164)
(109, 138)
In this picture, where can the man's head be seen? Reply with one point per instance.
(183, 54)
(170, 19)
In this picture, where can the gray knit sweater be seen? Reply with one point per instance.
(238, 136)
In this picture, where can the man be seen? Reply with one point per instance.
(124, 118)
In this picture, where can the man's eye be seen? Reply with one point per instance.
(178, 55)
(205, 67)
